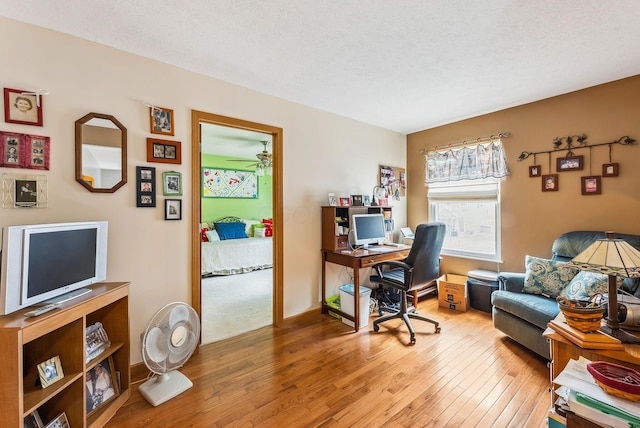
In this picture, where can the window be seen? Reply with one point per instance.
(471, 212)
(464, 194)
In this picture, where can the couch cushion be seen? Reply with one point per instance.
(547, 277)
(535, 309)
(585, 284)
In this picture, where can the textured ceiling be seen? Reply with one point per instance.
(404, 65)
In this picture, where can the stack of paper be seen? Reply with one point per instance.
(587, 400)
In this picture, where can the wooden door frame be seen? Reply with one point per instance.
(198, 117)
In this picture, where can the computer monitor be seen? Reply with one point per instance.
(368, 229)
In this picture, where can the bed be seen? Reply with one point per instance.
(237, 255)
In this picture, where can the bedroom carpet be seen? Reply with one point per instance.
(235, 304)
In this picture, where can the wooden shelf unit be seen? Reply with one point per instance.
(331, 240)
(27, 342)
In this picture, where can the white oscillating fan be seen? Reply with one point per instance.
(167, 343)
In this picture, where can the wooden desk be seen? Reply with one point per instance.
(356, 260)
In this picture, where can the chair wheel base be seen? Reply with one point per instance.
(438, 329)
(376, 327)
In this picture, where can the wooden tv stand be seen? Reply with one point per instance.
(27, 342)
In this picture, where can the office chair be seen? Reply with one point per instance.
(419, 269)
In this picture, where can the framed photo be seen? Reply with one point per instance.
(101, 385)
(24, 191)
(356, 200)
(60, 421)
(592, 185)
(172, 183)
(11, 149)
(22, 107)
(173, 209)
(229, 183)
(535, 171)
(161, 120)
(366, 200)
(50, 371)
(163, 151)
(33, 420)
(97, 341)
(550, 183)
(573, 163)
(332, 200)
(145, 187)
(36, 153)
(610, 169)
(344, 202)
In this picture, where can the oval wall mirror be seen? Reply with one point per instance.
(101, 153)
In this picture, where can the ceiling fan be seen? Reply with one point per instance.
(263, 164)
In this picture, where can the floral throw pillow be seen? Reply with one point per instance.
(585, 284)
(547, 277)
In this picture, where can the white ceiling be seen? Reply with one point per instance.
(404, 65)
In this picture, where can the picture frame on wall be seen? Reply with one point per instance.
(173, 209)
(145, 187)
(11, 149)
(24, 191)
(36, 152)
(570, 163)
(535, 171)
(610, 169)
(550, 183)
(591, 185)
(101, 385)
(164, 151)
(22, 107)
(161, 120)
(172, 183)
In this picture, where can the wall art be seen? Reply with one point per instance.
(172, 183)
(572, 163)
(550, 183)
(145, 187)
(24, 191)
(24, 151)
(591, 185)
(22, 107)
(610, 169)
(173, 209)
(163, 151)
(229, 183)
(161, 120)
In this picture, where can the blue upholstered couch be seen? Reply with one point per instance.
(523, 316)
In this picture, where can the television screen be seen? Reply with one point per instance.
(58, 259)
(368, 229)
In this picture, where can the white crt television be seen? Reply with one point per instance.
(50, 263)
(368, 229)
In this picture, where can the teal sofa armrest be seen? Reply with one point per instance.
(511, 281)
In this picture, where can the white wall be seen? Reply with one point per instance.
(322, 153)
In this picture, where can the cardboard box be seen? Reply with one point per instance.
(452, 292)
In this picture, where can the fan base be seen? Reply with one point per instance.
(161, 388)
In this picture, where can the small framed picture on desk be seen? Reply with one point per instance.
(344, 202)
(356, 200)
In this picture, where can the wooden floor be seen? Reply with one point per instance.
(315, 372)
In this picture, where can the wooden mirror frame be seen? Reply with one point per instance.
(123, 145)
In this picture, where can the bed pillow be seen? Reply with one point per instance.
(586, 284)
(547, 277)
(212, 235)
(234, 230)
(249, 226)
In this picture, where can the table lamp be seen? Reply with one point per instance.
(615, 258)
(379, 192)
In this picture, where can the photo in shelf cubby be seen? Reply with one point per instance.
(33, 420)
(101, 385)
(60, 421)
(50, 371)
(97, 341)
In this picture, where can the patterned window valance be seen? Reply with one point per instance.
(471, 162)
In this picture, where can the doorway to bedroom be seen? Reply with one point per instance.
(237, 285)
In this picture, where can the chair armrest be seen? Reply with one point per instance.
(511, 281)
(391, 264)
